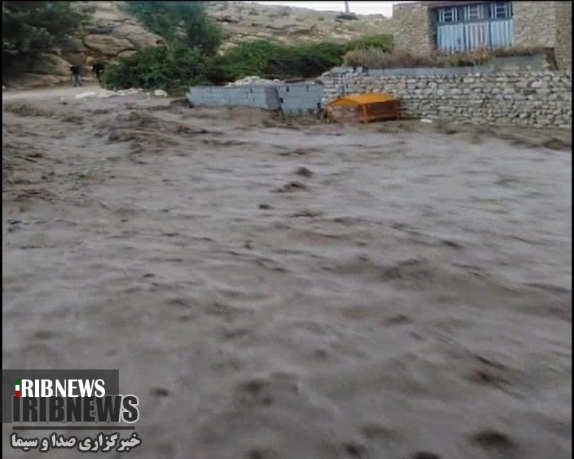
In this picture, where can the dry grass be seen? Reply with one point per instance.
(378, 59)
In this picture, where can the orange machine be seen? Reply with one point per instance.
(364, 108)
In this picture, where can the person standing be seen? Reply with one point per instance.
(76, 75)
(98, 68)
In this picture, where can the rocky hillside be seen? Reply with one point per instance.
(113, 33)
(247, 21)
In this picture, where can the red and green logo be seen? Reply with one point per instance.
(17, 391)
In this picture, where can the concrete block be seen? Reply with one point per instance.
(293, 98)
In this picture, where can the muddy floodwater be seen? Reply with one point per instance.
(293, 289)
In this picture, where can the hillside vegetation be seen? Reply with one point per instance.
(191, 54)
(42, 39)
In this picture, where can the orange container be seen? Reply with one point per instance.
(364, 108)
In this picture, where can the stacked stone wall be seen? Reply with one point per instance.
(538, 99)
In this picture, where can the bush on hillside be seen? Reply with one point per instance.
(269, 59)
(155, 18)
(172, 69)
(184, 22)
(179, 66)
(381, 42)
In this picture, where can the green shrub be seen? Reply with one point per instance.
(318, 58)
(381, 42)
(188, 59)
(179, 66)
(184, 22)
(172, 69)
(155, 17)
(269, 59)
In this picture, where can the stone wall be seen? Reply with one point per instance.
(413, 27)
(546, 24)
(540, 99)
(564, 35)
(534, 23)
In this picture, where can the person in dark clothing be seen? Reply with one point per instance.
(98, 68)
(76, 76)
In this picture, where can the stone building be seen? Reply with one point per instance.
(464, 25)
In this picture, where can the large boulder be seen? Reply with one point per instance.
(100, 27)
(107, 45)
(139, 37)
(75, 45)
(127, 53)
(50, 64)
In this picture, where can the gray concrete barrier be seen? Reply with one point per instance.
(293, 99)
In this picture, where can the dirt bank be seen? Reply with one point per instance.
(296, 289)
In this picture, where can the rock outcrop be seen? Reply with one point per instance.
(50, 64)
(107, 45)
(111, 33)
(245, 21)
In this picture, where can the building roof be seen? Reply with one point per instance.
(438, 3)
